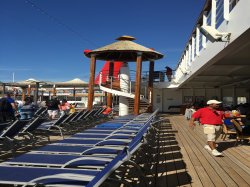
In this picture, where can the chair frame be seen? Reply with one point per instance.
(240, 135)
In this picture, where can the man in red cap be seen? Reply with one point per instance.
(211, 119)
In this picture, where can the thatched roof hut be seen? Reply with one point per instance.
(124, 50)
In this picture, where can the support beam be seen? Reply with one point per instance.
(91, 82)
(4, 90)
(36, 93)
(204, 39)
(23, 93)
(111, 73)
(151, 85)
(74, 93)
(29, 90)
(54, 90)
(138, 83)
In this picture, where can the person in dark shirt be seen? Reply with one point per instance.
(8, 108)
(246, 122)
(53, 108)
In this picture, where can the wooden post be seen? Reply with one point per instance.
(3, 90)
(54, 90)
(29, 90)
(150, 86)
(111, 73)
(42, 95)
(138, 83)
(91, 82)
(74, 93)
(23, 93)
(36, 93)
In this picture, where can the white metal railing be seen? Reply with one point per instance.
(213, 17)
(128, 87)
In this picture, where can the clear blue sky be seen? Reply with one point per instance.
(45, 40)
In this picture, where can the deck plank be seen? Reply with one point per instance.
(206, 170)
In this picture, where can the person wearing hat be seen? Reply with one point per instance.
(211, 119)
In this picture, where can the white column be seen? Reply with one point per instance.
(213, 14)
(204, 42)
(189, 55)
(124, 85)
(192, 48)
(226, 10)
(197, 41)
(186, 61)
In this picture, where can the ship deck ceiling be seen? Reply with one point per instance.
(194, 165)
(231, 66)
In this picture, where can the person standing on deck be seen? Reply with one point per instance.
(8, 108)
(53, 108)
(211, 119)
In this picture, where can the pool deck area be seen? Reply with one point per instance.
(185, 162)
(181, 159)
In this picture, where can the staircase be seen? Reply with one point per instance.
(143, 106)
(113, 86)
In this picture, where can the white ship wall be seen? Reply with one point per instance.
(164, 98)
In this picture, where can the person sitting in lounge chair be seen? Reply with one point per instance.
(28, 109)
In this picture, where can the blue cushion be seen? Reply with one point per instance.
(109, 125)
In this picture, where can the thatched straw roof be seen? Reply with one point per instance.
(74, 82)
(124, 50)
(28, 81)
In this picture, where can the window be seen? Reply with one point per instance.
(232, 4)
(228, 101)
(241, 100)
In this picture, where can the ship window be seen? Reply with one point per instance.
(241, 100)
(228, 101)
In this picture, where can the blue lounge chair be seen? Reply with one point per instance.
(31, 130)
(96, 169)
(27, 176)
(4, 126)
(8, 136)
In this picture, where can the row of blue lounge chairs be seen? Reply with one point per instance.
(83, 159)
(29, 130)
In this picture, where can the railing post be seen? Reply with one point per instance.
(192, 48)
(197, 41)
(189, 54)
(213, 14)
(100, 79)
(204, 39)
(186, 60)
(130, 87)
(226, 10)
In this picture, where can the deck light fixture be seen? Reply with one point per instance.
(214, 35)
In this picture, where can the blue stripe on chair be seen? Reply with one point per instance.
(20, 175)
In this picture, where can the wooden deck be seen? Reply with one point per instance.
(187, 163)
